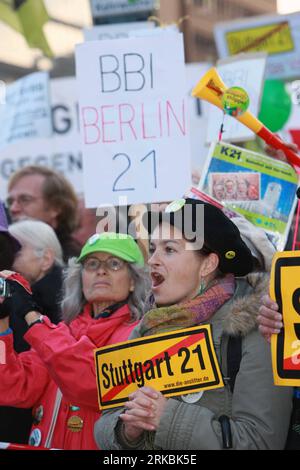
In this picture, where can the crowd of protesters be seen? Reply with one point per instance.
(72, 290)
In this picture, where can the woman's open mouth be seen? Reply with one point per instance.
(157, 279)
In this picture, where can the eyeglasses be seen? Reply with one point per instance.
(23, 200)
(110, 264)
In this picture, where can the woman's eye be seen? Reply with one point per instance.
(169, 249)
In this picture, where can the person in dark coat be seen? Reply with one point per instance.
(15, 423)
(40, 262)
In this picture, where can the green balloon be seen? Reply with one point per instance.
(276, 105)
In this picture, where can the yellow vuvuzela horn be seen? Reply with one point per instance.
(211, 88)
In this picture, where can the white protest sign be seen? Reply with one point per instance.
(66, 130)
(291, 130)
(198, 114)
(133, 120)
(161, 31)
(61, 151)
(277, 35)
(115, 31)
(26, 113)
(246, 71)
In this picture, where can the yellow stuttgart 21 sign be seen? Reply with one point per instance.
(175, 363)
(285, 290)
(273, 39)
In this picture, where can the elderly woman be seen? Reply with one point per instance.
(104, 294)
(40, 262)
(192, 284)
(15, 423)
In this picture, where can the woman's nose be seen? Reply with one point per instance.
(154, 259)
(102, 269)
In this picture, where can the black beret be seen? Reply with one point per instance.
(204, 222)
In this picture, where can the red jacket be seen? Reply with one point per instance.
(61, 356)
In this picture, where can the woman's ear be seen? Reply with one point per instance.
(132, 286)
(209, 265)
(47, 260)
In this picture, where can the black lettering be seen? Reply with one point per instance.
(224, 151)
(131, 370)
(158, 363)
(127, 60)
(109, 65)
(198, 351)
(138, 369)
(125, 372)
(168, 359)
(111, 369)
(41, 160)
(150, 372)
(296, 305)
(187, 353)
(61, 124)
(75, 162)
(7, 168)
(106, 381)
(119, 376)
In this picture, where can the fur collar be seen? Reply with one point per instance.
(243, 310)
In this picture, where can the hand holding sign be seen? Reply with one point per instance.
(143, 412)
(269, 319)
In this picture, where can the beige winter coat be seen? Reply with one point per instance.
(258, 411)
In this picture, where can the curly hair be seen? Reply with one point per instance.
(73, 299)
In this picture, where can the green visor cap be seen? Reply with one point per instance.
(118, 244)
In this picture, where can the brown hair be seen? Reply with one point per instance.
(57, 193)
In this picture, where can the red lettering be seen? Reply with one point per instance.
(182, 125)
(144, 126)
(106, 123)
(90, 123)
(127, 121)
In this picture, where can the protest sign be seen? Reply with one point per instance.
(115, 31)
(277, 35)
(61, 151)
(260, 188)
(246, 71)
(291, 130)
(285, 290)
(26, 113)
(133, 120)
(175, 363)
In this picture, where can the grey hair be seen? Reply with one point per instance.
(39, 236)
(73, 299)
